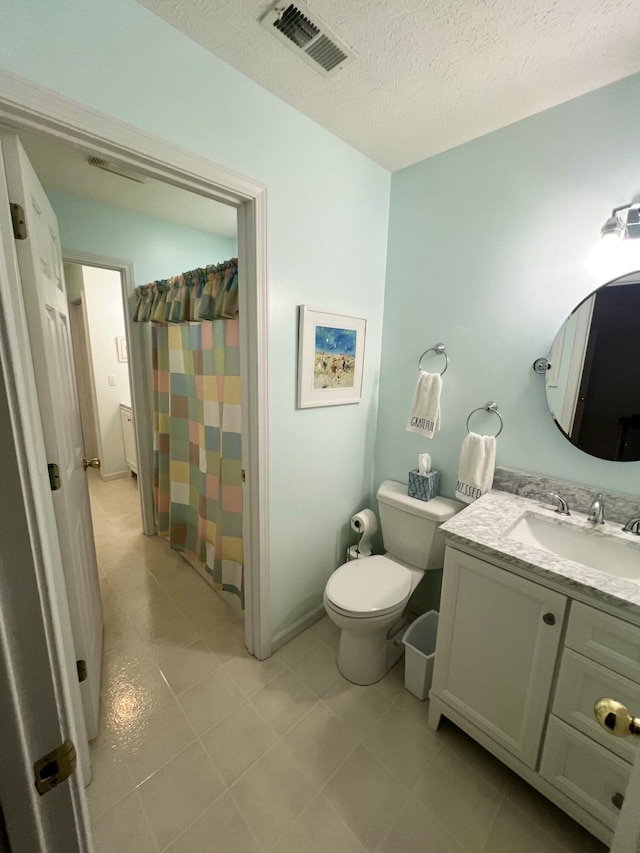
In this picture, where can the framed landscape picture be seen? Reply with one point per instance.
(330, 357)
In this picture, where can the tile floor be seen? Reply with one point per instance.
(204, 748)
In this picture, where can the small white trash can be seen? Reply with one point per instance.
(420, 650)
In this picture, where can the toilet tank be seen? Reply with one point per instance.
(410, 528)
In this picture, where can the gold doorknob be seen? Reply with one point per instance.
(91, 463)
(616, 719)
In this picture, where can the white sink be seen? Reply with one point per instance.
(580, 542)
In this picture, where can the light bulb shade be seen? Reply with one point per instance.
(614, 227)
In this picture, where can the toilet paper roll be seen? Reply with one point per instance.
(424, 463)
(364, 522)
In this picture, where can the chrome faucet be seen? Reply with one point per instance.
(632, 526)
(596, 513)
(563, 506)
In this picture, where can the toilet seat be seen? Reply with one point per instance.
(369, 587)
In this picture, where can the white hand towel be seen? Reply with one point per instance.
(477, 466)
(424, 417)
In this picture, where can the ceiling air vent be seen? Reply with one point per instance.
(123, 171)
(304, 32)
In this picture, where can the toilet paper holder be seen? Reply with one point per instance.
(365, 524)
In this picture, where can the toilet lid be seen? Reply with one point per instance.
(370, 585)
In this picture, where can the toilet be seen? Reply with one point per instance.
(366, 598)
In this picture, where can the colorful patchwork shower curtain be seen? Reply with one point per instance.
(197, 436)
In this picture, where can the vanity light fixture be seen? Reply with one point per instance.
(617, 251)
(614, 226)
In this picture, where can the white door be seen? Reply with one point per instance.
(40, 705)
(47, 313)
(498, 638)
(83, 377)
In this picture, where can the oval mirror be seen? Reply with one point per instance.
(593, 382)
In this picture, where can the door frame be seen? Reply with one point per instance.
(29, 107)
(139, 367)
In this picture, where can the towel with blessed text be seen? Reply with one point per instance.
(477, 466)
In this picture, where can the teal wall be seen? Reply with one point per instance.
(328, 220)
(157, 248)
(487, 252)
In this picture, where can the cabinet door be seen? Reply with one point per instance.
(129, 438)
(498, 641)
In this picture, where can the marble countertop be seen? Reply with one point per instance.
(485, 524)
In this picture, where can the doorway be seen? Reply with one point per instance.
(166, 634)
(28, 110)
(51, 158)
(100, 351)
(161, 229)
(25, 109)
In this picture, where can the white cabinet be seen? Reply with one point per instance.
(504, 675)
(129, 437)
(497, 646)
(580, 759)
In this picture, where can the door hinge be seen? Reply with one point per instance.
(54, 477)
(81, 666)
(55, 767)
(19, 221)
(244, 476)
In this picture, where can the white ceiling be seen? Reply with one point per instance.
(430, 74)
(63, 168)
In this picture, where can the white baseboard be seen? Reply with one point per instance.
(117, 475)
(306, 621)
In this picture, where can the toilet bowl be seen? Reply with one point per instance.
(366, 598)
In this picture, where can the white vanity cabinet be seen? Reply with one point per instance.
(129, 437)
(520, 666)
(601, 658)
(498, 640)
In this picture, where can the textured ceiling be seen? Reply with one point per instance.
(63, 168)
(430, 74)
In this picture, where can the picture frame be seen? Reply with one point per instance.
(122, 349)
(331, 348)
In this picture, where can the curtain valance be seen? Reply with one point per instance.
(201, 294)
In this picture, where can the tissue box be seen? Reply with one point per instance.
(423, 486)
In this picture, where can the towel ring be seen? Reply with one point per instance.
(491, 406)
(440, 350)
